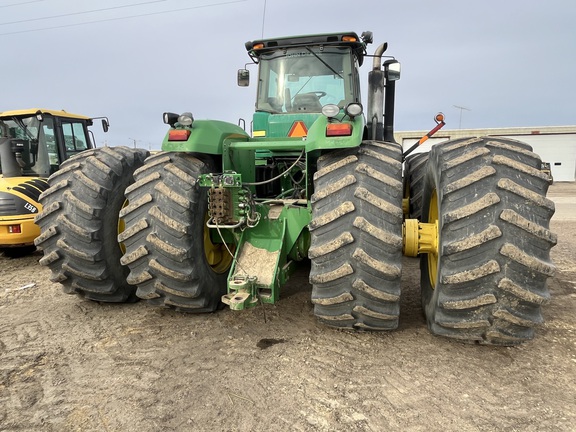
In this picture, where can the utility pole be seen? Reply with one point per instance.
(461, 108)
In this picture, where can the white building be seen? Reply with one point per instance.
(554, 144)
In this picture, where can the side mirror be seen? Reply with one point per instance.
(243, 77)
(392, 70)
(105, 125)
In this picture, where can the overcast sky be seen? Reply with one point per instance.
(510, 62)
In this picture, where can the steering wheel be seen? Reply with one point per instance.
(319, 94)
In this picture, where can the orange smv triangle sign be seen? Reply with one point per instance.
(298, 129)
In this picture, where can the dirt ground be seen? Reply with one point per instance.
(73, 365)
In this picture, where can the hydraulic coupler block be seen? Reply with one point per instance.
(228, 202)
(220, 206)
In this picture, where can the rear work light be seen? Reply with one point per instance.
(14, 229)
(178, 135)
(338, 129)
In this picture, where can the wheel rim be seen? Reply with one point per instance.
(433, 255)
(217, 255)
(121, 228)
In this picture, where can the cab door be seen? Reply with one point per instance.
(71, 137)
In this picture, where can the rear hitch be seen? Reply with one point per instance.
(243, 294)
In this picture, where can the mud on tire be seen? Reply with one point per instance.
(488, 281)
(79, 223)
(356, 237)
(164, 235)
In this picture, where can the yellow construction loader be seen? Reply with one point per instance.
(33, 144)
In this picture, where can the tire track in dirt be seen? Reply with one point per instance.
(73, 365)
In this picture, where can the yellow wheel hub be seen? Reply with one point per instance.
(433, 252)
(217, 255)
(121, 228)
(422, 238)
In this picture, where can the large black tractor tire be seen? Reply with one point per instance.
(356, 237)
(79, 223)
(414, 170)
(168, 248)
(488, 281)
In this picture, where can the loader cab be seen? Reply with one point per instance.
(36, 142)
(298, 76)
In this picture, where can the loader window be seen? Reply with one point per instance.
(47, 141)
(303, 79)
(75, 139)
(22, 127)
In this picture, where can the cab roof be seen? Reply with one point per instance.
(34, 111)
(351, 39)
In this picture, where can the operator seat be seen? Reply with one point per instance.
(306, 102)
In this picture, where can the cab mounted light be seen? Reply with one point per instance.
(186, 119)
(170, 118)
(354, 109)
(330, 110)
(349, 39)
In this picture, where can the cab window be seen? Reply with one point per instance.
(47, 140)
(305, 79)
(75, 139)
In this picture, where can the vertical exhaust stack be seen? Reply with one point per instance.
(391, 77)
(381, 108)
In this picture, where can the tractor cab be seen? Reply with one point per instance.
(298, 76)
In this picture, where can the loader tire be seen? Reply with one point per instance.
(487, 282)
(168, 248)
(356, 237)
(79, 223)
(414, 170)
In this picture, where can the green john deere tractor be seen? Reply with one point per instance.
(224, 216)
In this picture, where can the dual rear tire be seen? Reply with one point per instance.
(487, 282)
(356, 237)
(115, 228)
(79, 223)
(169, 250)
